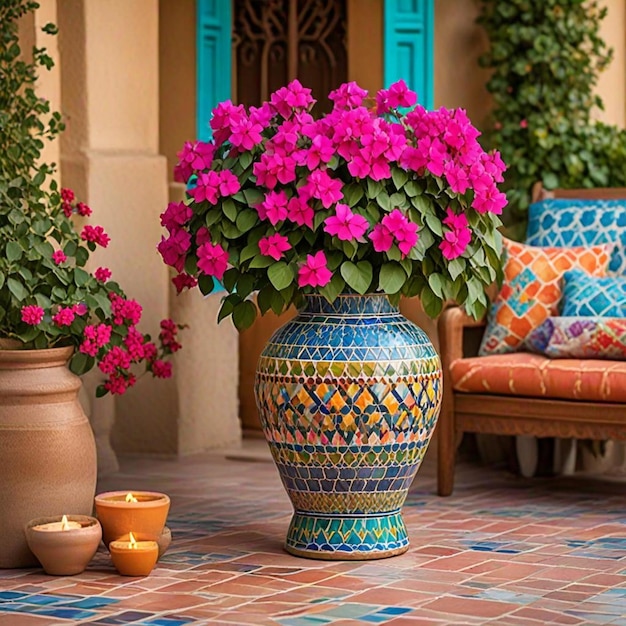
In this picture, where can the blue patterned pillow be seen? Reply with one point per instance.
(585, 295)
(567, 223)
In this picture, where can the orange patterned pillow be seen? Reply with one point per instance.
(532, 289)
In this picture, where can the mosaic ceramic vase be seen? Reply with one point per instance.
(348, 395)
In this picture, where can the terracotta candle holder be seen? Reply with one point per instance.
(64, 546)
(134, 558)
(142, 512)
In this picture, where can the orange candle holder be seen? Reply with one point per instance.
(142, 512)
(134, 558)
(63, 546)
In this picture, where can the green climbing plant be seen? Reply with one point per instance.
(546, 58)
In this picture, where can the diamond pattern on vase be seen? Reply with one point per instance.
(348, 394)
(531, 290)
(347, 538)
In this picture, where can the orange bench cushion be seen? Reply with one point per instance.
(533, 375)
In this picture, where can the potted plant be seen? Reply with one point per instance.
(341, 216)
(53, 311)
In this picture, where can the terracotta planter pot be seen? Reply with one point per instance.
(47, 451)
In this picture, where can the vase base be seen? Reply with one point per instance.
(347, 538)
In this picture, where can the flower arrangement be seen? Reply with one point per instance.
(368, 198)
(47, 297)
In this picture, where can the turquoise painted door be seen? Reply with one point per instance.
(408, 46)
(213, 63)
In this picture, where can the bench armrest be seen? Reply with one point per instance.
(454, 342)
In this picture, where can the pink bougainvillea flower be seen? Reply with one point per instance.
(176, 215)
(523, 124)
(67, 195)
(102, 274)
(95, 337)
(83, 210)
(212, 260)
(345, 224)
(174, 248)
(229, 184)
(246, 133)
(403, 230)
(489, 200)
(184, 281)
(274, 246)
(206, 187)
(399, 95)
(381, 238)
(457, 237)
(326, 189)
(116, 357)
(117, 384)
(348, 96)
(161, 369)
(64, 316)
(95, 234)
(299, 212)
(203, 235)
(32, 314)
(58, 256)
(273, 207)
(168, 333)
(125, 310)
(80, 309)
(225, 115)
(457, 177)
(320, 151)
(194, 157)
(314, 272)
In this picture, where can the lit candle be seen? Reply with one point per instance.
(143, 512)
(64, 524)
(132, 557)
(64, 547)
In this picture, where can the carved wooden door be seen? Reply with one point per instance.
(275, 41)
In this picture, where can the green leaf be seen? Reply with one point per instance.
(80, 277)
(456, 267)
(13, 251)
(412, 189)
(280, 275)
(352, 194)
(373, 188)
(230, 209)
(436, 283)
(17, 289)
(434, 224)
(244, 315)
(206, 284)
(81, 363)
(81, 256)
(230, 278)
(260, 261)
(383, 201)
(357, 275)
(399, 177)
(392, 277)
(246, 220)
(264, 298)
(248, 252)
(336, 285)
(245, 285)
(550, 180)
(253, 196)
(431, 303)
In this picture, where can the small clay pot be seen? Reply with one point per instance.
(144, 518)
(64, 552)
(163, 541)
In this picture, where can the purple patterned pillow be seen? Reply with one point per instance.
(580, 338)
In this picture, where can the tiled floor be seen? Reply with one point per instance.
(501, 550)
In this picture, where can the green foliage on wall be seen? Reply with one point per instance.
(546, 58)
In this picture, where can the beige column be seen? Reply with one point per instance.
(109, 54)
(207, 369)
(612, 84)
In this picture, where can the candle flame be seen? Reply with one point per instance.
(132, 540)
(131, 498)
(64, 523)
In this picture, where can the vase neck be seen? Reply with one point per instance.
(350, 304)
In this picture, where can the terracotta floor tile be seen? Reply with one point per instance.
(471, 607)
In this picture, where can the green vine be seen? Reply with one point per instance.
(546, 58)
